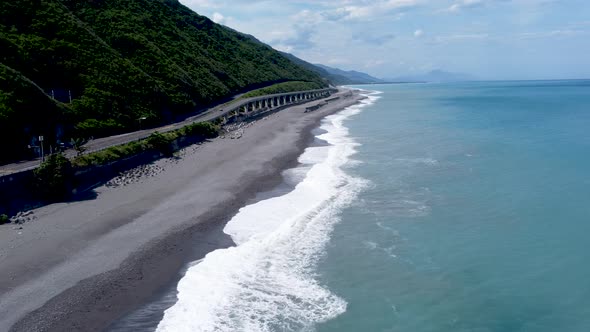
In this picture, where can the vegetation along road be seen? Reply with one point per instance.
(106, 142)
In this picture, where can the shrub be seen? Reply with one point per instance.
(53, 179)
(160, 143)
(204, 129)
(3, 219)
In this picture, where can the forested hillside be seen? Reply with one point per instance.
(72, 68)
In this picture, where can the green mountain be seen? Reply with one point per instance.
(75, 68)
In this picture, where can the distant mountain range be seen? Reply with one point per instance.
(343, 77)
(435, 76)
(334, 75)
(354, 77)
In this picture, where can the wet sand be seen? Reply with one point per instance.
(80, 266)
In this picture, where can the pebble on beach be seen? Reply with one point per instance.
(135, 175)
(23, 217)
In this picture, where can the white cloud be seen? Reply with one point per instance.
(300, 35)
(361, 10)
(218, 18)
(464, 4)
(418, 33)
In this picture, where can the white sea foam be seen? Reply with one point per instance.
(266, 282)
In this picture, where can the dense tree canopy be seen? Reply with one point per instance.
(93, 67)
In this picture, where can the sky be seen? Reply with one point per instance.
(489, 39)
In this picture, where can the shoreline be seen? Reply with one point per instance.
(135, 269)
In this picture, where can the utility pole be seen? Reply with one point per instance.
(42, 153)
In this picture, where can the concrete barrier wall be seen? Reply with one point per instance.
(17, 192)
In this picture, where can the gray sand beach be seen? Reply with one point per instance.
(81, 265)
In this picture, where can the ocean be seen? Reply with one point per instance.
(428, 207)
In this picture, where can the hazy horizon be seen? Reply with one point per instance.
(489, 39)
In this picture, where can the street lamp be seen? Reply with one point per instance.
(140, 119)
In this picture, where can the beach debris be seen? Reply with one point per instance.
(135, 175)
(236, 130)
(23, 217)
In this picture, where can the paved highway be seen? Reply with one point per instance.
(106, 142)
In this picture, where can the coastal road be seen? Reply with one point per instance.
(106, 142)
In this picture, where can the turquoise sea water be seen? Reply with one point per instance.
(429, 207)
(477, 216)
